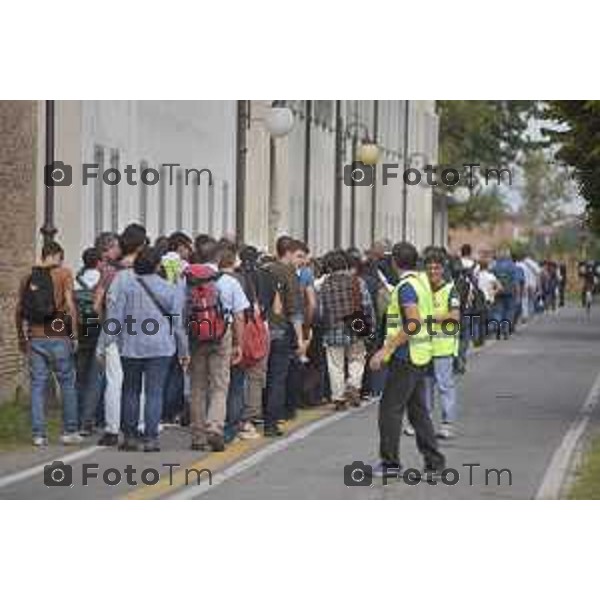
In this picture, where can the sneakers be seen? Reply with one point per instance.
(109, 439)
(216, 442)
(409, 429)
(352, 396)
(387, 469)
(151, 446)
(71, 439)
(248, 432)
(39, 441)
(86, 430)
(199, 445)
(445, 432)
(341, 404)
(273, 431)
(129, 445)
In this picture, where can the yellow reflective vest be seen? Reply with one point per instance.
(444, 344)
(419, 345)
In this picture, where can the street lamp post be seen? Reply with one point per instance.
(48, 230)
(368, 154)
(278, 121)
(374, 187)
(365, 150)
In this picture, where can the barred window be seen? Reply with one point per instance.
(114, 193)
(143, 195)
(99, 192)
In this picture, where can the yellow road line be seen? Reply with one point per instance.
(217, 461)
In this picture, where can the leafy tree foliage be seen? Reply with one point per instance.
(577, 135)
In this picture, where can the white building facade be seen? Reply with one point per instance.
(291, 184)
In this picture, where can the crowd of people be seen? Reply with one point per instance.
(230, 342)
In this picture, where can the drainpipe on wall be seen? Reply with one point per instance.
(48, 230)
(307, 149)
(337, 190)
(374, 187)
(274, 209)
(406, 167)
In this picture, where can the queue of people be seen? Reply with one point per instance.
(231, 342)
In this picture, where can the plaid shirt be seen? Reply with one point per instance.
(343, 333)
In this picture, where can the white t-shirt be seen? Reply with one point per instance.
(530, 275)
(486, 282)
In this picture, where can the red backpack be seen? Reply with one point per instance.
(207, 320)
(255, 344)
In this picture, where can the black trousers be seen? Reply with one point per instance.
(405, 390)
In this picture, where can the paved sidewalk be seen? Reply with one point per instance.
(517, 401)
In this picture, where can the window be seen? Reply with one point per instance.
(225, 214)
(143, 195)
(196, 207)
(162, 200)
(98, 192)
(179, 200)
(114, 193)
(211, 210)
(323, 112)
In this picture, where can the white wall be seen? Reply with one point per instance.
(202, 134)
(195, 134)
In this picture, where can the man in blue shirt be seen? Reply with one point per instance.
(506, 272)
(405, 387)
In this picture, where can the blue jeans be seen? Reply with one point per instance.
(504, 312)
(52, 355)
(443, 379)
(173, 401)
(90, 385)
(467, 327)
(154, 372)
(277, 372)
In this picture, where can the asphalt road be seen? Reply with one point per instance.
(517, 402)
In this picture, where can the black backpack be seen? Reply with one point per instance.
(471, 297)
(84, 297)
(38, 297)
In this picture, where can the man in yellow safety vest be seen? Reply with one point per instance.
(408, 353)
(445, 338)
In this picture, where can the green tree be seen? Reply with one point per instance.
(485, 208)
(576, 134)
(490, 133)
(545, 190)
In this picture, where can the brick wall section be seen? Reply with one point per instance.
(18, 149)
(483, 239)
